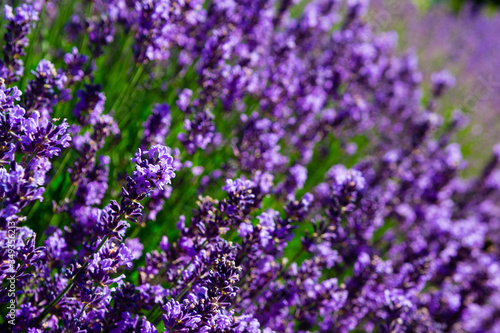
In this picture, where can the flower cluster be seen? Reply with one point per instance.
(28, 143)
(20, 23)
(471, 53)
(292, 173)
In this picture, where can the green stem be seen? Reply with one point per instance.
(136, 231)
(126, 91)
(61, 167)
(86, 36)
(157, 319)
(31, 157)
(29, 51)
(58, 173)
(68, 194)
(85, 306)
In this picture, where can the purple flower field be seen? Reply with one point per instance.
(244, 166)
(471, 53)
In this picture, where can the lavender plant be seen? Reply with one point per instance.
(234, 166)
(471, 53)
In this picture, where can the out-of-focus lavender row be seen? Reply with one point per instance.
(465, 43)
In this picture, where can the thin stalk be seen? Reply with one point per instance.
(57, 174)
(136, 231)
(33, 34)
(84, 306)
(188, 287)
(86, 36)
(31, 157)
(157, 319)
(68, 194)
(126, 92)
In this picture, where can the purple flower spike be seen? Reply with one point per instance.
(157, 126)
(154, 169)
(19, 25)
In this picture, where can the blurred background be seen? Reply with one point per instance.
(462, 36)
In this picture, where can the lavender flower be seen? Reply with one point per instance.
(200, 132)
(35, 139)
(75, 63)
(20, 22)
(157, 126)
(46, 90)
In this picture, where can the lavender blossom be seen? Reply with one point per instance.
(20, 22)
